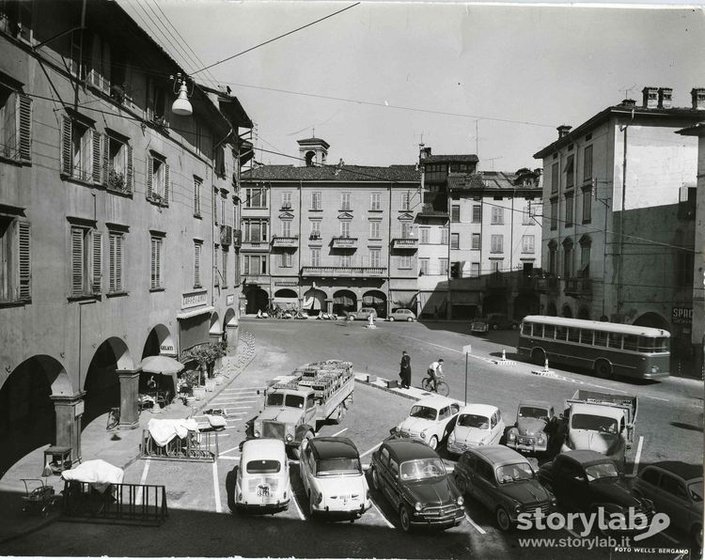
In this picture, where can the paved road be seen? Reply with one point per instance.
(200, 522)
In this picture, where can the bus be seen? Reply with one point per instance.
(607, 349)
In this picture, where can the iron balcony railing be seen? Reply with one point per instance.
(285, 241)
(405, 243)
(344, 242)
(343, 271)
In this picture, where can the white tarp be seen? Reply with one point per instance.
(216, 421)
(100, 474)
(164, 430)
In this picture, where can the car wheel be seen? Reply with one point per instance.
(504, 522)
(405, 518)
(391, 318)
(494, 327)
(603, 369)
(375, 479)
(433, 442)
(538, 356)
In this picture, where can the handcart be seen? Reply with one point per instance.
(39, 497)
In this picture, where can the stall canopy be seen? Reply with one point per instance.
(163, 365)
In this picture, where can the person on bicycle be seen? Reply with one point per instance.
(435, 370)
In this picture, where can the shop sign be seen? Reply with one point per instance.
(285, 283)
(194, 299)
(166, 349)
(682, 315)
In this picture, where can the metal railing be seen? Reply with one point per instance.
(343, 271)
(196, 446)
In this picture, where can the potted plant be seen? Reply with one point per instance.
(116, 181)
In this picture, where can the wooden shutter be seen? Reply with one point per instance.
(25, 260)
(128, 178)
(150, 171)
(118, 262)
(112, 242)
(8, 137)
(97, 141)
(76, 261)
(24, 127)
(106, 158)
(97, 262)
(166, 183)
(197, 265)
(66, 148)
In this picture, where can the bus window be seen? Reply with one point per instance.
(615, 340)
(526, 329)
(574, 334)
(586, 336)
(647, 344)
(600, 338)
(549, 332)
(630, 341)
(561, 333)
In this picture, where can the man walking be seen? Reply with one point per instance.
(405, 370)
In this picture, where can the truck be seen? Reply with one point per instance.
(602, 422)
(294, 405)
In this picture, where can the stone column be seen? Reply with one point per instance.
(232, 332)
(68, 410)
(129, 393)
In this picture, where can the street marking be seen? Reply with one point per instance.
(370, 450)
(389, 523)
(216, 488)
(638, 455)
(229, 450)
(143, 481)
(656, 398)
(296, 503)
(338, 433)
(479, 529)
(229, 458)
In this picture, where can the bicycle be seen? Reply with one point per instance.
(441, 388)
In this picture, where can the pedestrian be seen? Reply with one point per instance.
(405, 370)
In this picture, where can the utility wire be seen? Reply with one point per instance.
(276, 38)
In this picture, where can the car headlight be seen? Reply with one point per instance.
(317, 498)
(511, 436)
(451, 437)
(517, 507)
(423, 434)
(289, 437)
(418, 506)
(541, 438)
(460, 501)
(257, 433)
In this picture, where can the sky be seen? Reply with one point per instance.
(378, 79)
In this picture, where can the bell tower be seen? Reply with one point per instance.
(313, 151)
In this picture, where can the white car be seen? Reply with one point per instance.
(402, 314)
(333, 478)
(429, 420)
(262, 480)
(477, 424)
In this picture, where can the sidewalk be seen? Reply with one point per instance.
(118, 447)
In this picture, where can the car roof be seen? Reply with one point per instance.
(332, 447)
(586, 457)
(434, 401)
(263, 448)
(499, 454)
(409, 449)
(538, 404)
(685, 471)
(483, 409)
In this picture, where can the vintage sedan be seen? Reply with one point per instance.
(430, 419)
(676, 489)
(477, 424)
(535, 428)
(583, 480)
(362, 314)
(262, 479)
(504, 482)
(333, 478)
(402, 314)
(414, 479)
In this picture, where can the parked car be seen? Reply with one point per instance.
(430, 419)
(676, 489)
(413, 478)
(479, 326)
(477, 424)
(262, 480)
(537, 429)
(504, 482)
(493, 321)
(333, 478)
(402, 314)
(362, 314)
(584, 479)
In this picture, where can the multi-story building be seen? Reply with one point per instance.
(116, 218)
(329, 238)
(618, 225)
(479, 239)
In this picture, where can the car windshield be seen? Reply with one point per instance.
(696, 491)
(532, 412)
(336, 466)
(425, 412)
(514, 473)
(278, 399)
(601, 470)
(419, 469)
(262, 466)
(592, 422)
(474, 421)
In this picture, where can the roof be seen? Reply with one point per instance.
(483, 409)
(333, 173)
(313, 141)
(410, 449)
(586, 456)
(596, 325)
(695, 130)
(537, 404)
(685, 471)
(616, 111)
(499, 454)
(434, 401)
(332, 447)
(469, 158)
(263, 448)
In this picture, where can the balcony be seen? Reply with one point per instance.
(226, 235)
(285, 241)
(578, 287)
(411, 243)
(343, 271)
(547, 285)
(344, 242)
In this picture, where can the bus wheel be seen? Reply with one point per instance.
(603, 369)
(538, 356)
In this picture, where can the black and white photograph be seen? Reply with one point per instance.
(352, 279)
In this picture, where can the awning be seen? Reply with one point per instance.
(161, 364)
(196, 312)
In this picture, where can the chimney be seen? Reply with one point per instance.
(563, 130)
(650, 97)
(628, 103)
(698, 96)
(423, 152)
(665, 98)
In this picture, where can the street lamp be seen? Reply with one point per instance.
(182, 106)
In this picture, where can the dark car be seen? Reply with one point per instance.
(537, 429)
(582, 480)
(503, 481)
(413, 478)
(676, 489)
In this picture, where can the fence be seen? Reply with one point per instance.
(196, 446)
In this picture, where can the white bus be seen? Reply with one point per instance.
(607, 349)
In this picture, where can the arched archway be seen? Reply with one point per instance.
(566, 311)
(344, 301)
(159, 341)
(376, 299)
(102, 383)
(257, 299)
(27, 414)
(653, 320)
(286, 299)
(230, 326)
(583, 312)
(314, 301)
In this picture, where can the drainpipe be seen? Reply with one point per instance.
(620, 263)
(389, 249)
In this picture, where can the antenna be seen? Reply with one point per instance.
(627, 90)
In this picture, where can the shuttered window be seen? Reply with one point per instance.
(15, 260)
(197, 247)
(157, 179)
(81, 148)
(197, 183)
(225, 267)
(156, 263)
(118, 163)
(116, 263)
(86, 261)
(15, 125)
